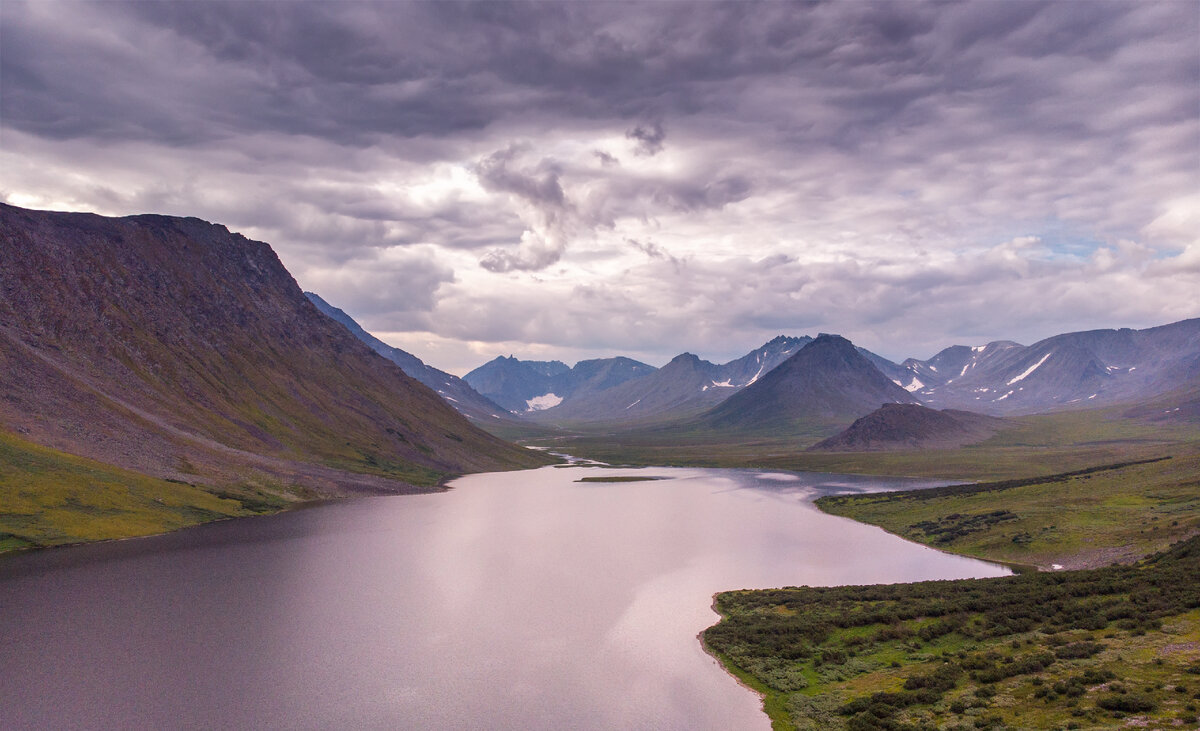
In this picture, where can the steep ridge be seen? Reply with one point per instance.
(828, 382)
(1072, 370)
(178, 349)
(453, 389)
(686, 386)
(911, 426)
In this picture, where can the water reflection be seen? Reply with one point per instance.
(515, 600)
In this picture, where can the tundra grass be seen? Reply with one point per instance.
(1076, 521)
(50, 498)
(1114, 647)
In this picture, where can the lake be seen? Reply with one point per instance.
(518, 600)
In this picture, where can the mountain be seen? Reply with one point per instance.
(175, 348)
(1072, 370)
(828, 382)
(513, 383)
(453, 389)
(686, 386)
(524, 386)
(911, 426)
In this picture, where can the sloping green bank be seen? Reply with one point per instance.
(50, 498)
(1098, 648)
(1082, 519)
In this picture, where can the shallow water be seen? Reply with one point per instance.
(515, 600)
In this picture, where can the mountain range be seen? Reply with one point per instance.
(1072, 370)
(1001, 378)
(524, 386)
(176, 348)
(684, 387)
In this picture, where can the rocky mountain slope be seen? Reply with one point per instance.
(911, 426)
(453, 389)
(828, 382)
(178, 349)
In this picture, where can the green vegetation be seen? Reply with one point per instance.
(1103, 647)
(1030, 446)
(1086, 518)
(1097, 648)
(51, 498)
(620, 478)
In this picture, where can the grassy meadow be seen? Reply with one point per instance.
(1029, 446)
(51, 498)
(1076, 521)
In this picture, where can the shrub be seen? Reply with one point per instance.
(1126, 703)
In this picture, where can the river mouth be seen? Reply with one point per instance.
(515, 600)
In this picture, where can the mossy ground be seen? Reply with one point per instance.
(50, 498)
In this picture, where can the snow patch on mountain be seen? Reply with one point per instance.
(1031, 369)
(543, 402)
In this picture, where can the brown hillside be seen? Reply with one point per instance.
(174, 347)
(911, 426)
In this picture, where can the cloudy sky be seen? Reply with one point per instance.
(573, 180)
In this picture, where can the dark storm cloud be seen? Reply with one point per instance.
(650, 138)
(881, 157)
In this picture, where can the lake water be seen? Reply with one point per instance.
(520, 600)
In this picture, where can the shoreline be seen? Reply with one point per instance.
(778, 719)
(287, 508)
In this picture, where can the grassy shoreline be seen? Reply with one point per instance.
(1105, 652)
(53, 499)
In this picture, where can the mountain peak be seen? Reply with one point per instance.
(827, 382)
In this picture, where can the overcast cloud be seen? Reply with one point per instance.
(588, 179)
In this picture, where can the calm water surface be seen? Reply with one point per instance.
(516, 600)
